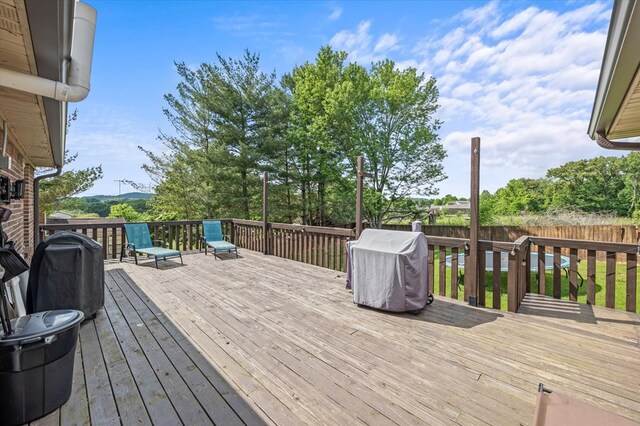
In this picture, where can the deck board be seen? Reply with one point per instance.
(263, 340)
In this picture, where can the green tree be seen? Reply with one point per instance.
(127, 212)
(520, 196)
(486, 212)
(593, 185)
(631, 170)
(56, 190)
(313, 132)
(396, 130)
(228, 118)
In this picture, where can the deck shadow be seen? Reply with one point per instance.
(545, 306)
(166, 377)
(448, 313)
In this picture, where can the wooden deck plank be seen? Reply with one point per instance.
(187, 343)
(155, 399)
(251, 309)
(52, 419)
(125, 391)
(102, 405)
(299, 396)
(245, 376)
(207, 395)
(76, 410)
(271, 328)
(329, 396)
(174, 386)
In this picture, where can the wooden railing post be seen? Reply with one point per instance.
(265, 214)
(359, 179)
(471, 285)
(512, 280)
(517, 273)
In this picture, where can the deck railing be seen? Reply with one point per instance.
(611, 282)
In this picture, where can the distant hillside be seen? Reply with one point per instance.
(127, 196)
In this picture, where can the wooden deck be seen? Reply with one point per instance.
(262, 340)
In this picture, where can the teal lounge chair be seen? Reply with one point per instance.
(139, 241)
(213, 238)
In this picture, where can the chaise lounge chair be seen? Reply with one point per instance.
(213, 238)
(555, 409)
(139, 241)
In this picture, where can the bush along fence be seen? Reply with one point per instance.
(593, 272)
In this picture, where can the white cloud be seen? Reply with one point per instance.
(336, 13)
(516, 23)
(386, 43)
(356, 43)
(522, 80)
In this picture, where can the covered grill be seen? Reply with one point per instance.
(389, 270)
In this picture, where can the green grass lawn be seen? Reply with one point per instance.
(620, 289)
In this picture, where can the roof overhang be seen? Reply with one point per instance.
(616, 109)
(35, 39)
(51, 25)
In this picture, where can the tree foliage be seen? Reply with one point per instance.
(55, 191)
(233, 122)
(597, 185)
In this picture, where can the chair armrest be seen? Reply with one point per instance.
(129, 246)
(159, 241)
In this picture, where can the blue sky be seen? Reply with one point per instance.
(519, 74)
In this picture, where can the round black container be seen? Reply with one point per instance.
(36, 364)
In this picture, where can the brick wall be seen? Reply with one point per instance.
(19, 228)
(27, 212)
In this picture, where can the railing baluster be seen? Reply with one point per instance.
(632, 277)
(482, 266)
(512, 281)
(610, 291)
(591, 277)
(497, 279)
(430, 270)
(573, 274)
(557, 274)
(105, 246)
(542, 270)
(114, 242)
(442, 275)
(454, 273)
(184, 237)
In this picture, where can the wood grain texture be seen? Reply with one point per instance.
(283, 342)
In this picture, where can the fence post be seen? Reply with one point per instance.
(471, 290)
(512, 280)
(265, 213)
(359, 179)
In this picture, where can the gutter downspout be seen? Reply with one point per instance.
(77, 87)
(607, 144)
(36, 204)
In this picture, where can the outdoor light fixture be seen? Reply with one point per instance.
(9, 191)
(17, 190)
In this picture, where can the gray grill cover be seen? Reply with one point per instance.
(390, 270)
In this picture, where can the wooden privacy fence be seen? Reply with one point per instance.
(597, 272)
(612, 233)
